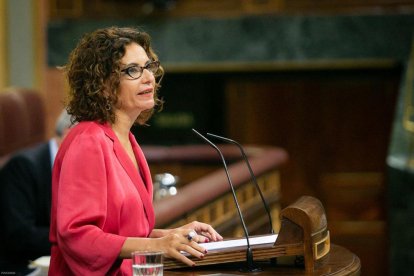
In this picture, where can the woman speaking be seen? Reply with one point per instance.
(102, 190)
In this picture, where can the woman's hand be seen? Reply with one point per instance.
(205, 232)
(174, 241)
(177, 241)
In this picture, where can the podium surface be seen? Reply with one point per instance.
(340, 261)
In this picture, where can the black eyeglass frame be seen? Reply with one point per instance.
(146, 66)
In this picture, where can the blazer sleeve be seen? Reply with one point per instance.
(81, 210)
(22, 232)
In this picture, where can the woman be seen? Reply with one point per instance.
(102, 189)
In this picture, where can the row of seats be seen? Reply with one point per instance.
(22, 120)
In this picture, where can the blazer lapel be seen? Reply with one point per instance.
(142, 164)
(145, 177)
(144, 184)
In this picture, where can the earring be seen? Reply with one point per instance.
(107, 106)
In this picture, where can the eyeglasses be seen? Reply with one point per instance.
(135, 72)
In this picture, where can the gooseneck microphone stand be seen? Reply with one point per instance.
(252, 176)
(250, 265)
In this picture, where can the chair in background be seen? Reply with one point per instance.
(22, 120)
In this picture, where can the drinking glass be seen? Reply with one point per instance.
(146, 263)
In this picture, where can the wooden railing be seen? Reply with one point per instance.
(209, 199)
(222, 213)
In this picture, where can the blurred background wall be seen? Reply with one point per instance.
(323, 79)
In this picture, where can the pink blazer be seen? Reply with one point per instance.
(98, 199)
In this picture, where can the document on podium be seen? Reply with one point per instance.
(255, 241)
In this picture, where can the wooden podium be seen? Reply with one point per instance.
(303, 236)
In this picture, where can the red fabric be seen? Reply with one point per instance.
(98, 199)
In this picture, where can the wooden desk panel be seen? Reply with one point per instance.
(339, 261)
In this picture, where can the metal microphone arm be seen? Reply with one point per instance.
(249, 253)
(253, 177)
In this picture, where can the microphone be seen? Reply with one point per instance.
(252, 176)
(251, 267)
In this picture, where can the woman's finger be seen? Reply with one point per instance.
(194, 249)
(202, 238)
(189, 243)
(180, 257)
(207, 228)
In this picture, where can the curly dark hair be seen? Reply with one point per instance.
(93, 72)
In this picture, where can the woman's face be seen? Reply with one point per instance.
(135, 95)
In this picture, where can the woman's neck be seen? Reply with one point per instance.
(122, 126)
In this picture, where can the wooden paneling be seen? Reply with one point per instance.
(216, 8)
(354, 196)
(336, 127)
(329, 121)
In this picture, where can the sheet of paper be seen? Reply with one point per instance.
(226, 244)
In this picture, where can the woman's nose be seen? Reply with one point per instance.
(147, 75)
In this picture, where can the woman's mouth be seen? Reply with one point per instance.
(147, 91)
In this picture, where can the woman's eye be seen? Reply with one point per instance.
(133, 70)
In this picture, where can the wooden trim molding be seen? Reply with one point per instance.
(39, 43)
(3, 46)
(278, 66)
